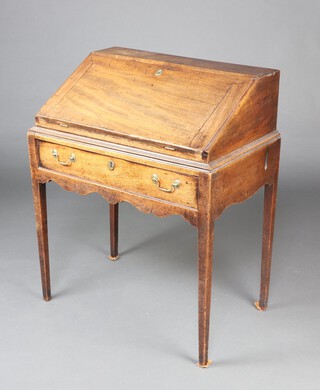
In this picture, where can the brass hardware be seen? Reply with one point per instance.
(111, 165)
(72, 158)
(158, 72)
(113, 258)
(266, 161)
(63, 125)
(205, 365)
(174, 185)
(258, 307)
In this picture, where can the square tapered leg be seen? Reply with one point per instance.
(114, 231)
(270, 199)
(40, 206)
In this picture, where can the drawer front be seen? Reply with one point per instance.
(120, 173)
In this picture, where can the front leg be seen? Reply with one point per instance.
(205, 253)
(270, 199)
(40, 207)
(114, 231)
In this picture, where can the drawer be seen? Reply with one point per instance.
(120, 173)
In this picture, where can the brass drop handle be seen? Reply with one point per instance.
(72, 158)
(174, 185)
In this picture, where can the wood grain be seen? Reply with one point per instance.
(254, 116)
(40, 210)
(188, 109)
(242, 177)
(210, 125)
(270, 201)
(199, 64)
(126, 175)
(205, 254)
(114, 231)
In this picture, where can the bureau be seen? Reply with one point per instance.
(170, 135)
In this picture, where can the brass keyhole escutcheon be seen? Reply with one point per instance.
(158, 72)
(111, 165)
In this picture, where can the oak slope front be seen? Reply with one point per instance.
(171, 135)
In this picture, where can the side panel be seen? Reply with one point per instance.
(244, 176)
(254, 117)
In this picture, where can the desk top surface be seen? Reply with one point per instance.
(196, 109)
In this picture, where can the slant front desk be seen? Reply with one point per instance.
(170, 135)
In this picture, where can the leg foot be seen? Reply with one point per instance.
(260, 307)
(208, 364)
(113, 258)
